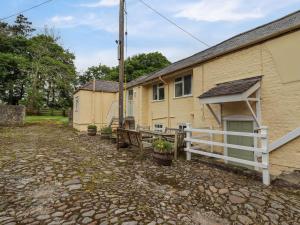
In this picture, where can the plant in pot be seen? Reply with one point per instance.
(163, 152)
(106, 132)
(92, 130)
(114, 137)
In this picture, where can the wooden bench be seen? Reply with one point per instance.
(141, 128)
(135, 138)
(178, 139)
(131, 138)
(173, 135)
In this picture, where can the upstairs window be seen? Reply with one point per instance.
(183, 86)
(158, 92)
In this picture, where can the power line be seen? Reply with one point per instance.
(25, 10)
(172, 22)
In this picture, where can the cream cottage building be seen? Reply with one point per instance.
(247, 81)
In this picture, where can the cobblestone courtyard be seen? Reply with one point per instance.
(51, 175)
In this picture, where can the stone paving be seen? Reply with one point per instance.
(49, 174)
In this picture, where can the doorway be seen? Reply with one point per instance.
(240, 126)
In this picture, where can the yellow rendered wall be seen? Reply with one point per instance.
(280, 99)
(280, 94)
(93, 109)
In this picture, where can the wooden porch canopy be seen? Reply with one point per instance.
(235, 91)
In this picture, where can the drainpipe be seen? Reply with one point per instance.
(168, 88)
(94, 104)
(102, 116)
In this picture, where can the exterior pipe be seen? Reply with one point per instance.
(168, 88)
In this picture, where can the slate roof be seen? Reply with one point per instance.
(251, 37)
(137, 81)
(101, 85)
(231, 88)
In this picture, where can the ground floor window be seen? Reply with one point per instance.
(158, 127)
(182, 126)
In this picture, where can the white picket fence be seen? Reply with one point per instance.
(263, 149)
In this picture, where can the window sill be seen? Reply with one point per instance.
(153, 101)
(184, 96)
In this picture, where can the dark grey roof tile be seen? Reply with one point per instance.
(231, 88)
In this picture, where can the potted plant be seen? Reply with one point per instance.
(163, 152)
(92, 130)
(106, 132)
(114, 137)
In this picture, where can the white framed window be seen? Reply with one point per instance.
(158, 127)
(130, 95)
(182, 126)
(158, 92)
(183, 86)
(77, 104)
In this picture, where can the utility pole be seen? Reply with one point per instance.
(121, 63)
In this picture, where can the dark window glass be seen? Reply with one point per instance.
(130, 94)
(188, 85)
(178, 79)
(154, 92)
(178, 89)
(161, 92)
(182, 127)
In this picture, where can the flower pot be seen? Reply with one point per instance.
(106, 135)
(92, 131)
(164, 159)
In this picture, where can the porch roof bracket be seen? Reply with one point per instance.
(253, 114)
(218, 119)
(252, 90)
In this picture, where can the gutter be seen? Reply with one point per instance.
(168, 89)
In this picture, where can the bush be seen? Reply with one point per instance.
(92, 127)
(162, 146)
(106, 130)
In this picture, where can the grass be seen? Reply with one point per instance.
(46, 119)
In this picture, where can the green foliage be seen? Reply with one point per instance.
(100, 72)
(106, 130)
(46, 119)
(22, 26)
(34, 70)
(135, 67)
(144, 64)
(91, 126)
(162, 146)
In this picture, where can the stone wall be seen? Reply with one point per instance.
(12, 115)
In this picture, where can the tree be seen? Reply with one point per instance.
(100, 72)
(14, 64)
(135, 66)
(144, 64)
(53, 74)
(22, 26)
(34, 69)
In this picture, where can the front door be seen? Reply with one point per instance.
(240, 126)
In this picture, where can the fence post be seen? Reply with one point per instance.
(188, 143)
(211, 138)
(265, 155)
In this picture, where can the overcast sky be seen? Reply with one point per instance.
(89, 28)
